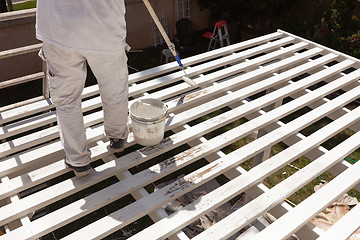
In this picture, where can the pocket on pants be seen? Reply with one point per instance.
(50, 76)
(41, 54)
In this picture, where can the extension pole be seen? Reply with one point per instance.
(170, 45)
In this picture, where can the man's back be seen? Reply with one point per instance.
(82, 24)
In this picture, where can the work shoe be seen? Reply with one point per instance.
(80, 171)
(116, 145)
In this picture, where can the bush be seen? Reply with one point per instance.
(332, 23)
(354, 40)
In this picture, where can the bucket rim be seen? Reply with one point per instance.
(158, 118)
(148, 121)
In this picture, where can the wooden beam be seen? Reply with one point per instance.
(17, 14)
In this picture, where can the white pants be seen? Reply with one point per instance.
(67, 74)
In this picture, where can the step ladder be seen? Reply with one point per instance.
(219, 34)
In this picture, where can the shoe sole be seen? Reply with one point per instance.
(81, 174)
(84, 173)
(113, 150)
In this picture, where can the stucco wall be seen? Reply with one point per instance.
(14, 34)
(21, 32)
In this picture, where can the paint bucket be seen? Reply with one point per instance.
(148, 121)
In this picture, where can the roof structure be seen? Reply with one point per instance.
(264, 81)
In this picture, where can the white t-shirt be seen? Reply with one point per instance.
(94, 25)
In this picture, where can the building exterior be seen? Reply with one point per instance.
(17, 29)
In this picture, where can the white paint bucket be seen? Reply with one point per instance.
(148, 121)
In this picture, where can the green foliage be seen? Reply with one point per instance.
(336, 27)
(221, 9)
(333, 23)
(296, 26)
(354, 40)
(233, 8)
(336, 15)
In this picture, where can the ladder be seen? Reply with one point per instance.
(221, 35)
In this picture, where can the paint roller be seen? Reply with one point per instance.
(170, 45)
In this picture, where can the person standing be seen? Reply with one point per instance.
(77, 34)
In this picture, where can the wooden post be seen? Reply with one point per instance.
(10, 5)
(266, 153)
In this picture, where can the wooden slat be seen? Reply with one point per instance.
(17, 14)
(137, 207)
(93, 90)
(26, 110)
(211, 77)
(217, 63)
(244, 90)
(252, 76)
(344, 56)
(243, 216)
(20, 80)
(140, 193)
(215, 104)
(27, 124)
(94, 103)
(235, 221)
(159, 70)
(20, 104)
(226, 77)
(297, 104)
(20, 50)
(310, 207)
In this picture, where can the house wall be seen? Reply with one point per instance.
(139, 26)
(18, 30)
(16, 33)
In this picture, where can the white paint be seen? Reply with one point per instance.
(148, 121)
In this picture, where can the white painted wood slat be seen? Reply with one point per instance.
(243, 93)
(296, 105)
(28, 204)
(243, 216)
(91, 104)
(44, 105)
(246, 152)
(231, 189)
(94, 119)
(241, 81)
(12, 162)
(149, 73)
(309, 208)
